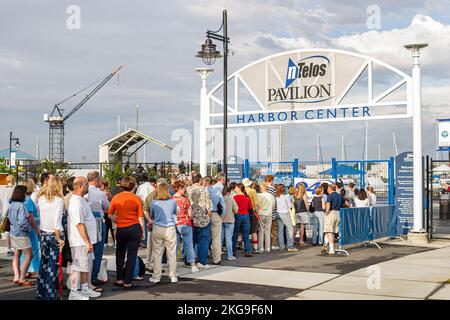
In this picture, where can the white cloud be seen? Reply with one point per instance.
(10, 63)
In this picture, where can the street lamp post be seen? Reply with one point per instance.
(17, 144)
(208, 53)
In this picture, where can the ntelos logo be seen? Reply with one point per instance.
(303, 69)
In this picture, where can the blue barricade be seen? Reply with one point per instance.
(366, 224)
(383, 222)
(354, 226)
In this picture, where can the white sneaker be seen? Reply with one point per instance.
(202, 267)
(275, 247)
(174, 279)
(231, 258)
(154, 280)
(90, 293)
(76, 295)
(331, 252)
(194, 269)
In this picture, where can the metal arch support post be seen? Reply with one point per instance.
(417, 144)
(204, 118)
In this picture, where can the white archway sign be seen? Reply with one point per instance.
(312, 86)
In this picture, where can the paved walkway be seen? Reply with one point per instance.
(405, 272)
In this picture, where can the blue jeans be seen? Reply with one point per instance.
(185, 235)
(227, 237)
(201, 241)
(242, 222)
(317, 232)
(98, 250)
(136, 268)
(284, 220)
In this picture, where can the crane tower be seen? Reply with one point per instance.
(56, 119)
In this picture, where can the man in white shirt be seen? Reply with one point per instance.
(144, 189)
(99, 203)
(82, 232)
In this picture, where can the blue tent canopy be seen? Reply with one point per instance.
(343, 169)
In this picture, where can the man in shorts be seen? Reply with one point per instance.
(331, 221)
(82, 232)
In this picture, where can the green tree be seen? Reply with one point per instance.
(58, 169)
(3, 167)
(111, 172)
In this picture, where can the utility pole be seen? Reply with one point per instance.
(137, 129)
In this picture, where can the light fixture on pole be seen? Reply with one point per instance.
(17, 145)
(417, 138)
(209, 54)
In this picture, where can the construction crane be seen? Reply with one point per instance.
(56, 119)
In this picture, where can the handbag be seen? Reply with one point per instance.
(311, 207)
(6, 224)
(292, 214)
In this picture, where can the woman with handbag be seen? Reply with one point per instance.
(50, 202)
(318, 204)
(284, 206)
(20, 228)
(35, 232)
(301, 211)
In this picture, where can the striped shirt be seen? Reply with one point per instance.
(272, 191)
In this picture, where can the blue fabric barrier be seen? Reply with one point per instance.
(355, 225)
(383, 222)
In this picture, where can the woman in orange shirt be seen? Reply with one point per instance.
(129, 218)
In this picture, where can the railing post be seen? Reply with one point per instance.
(246, 169)
(334, 173)
(295, 169)
(362, 168)
(391, 181)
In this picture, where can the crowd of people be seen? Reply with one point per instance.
(189, 218)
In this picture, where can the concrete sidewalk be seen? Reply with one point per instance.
(419, 276)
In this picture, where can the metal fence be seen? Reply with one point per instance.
(438, 198)
(156, 169)
(376, 173)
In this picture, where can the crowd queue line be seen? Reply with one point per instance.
(202, 215)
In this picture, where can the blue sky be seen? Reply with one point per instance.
(41, 62)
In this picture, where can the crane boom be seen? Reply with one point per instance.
(56, 119)
(90, 94)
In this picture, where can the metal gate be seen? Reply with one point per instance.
(283, 172)
(438, 196)
(363, 173)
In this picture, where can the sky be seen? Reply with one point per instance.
(42, 61)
